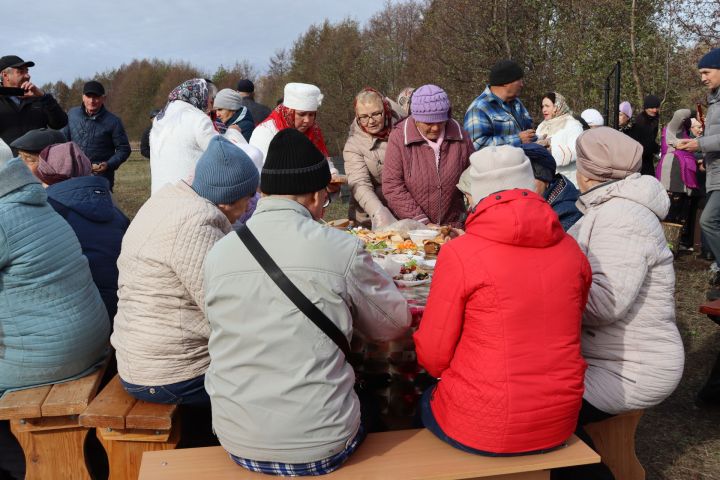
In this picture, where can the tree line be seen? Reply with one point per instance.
(567, 46)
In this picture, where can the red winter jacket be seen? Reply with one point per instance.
(502, 328)
(411, 183)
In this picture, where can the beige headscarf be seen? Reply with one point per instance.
(605, 154)
(562, 114)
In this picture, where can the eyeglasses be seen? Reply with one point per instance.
(328, 200)
(364, 119)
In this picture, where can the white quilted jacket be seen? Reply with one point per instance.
(630, 341)
(161, 333)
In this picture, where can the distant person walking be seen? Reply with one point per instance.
(99, 133)
(258, 111)
(649, 123)
(497, 116)
(35, 109)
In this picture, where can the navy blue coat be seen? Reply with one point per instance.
(561, 194)
(101, 137)
(86, 204)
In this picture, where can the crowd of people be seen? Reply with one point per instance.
(553, 309)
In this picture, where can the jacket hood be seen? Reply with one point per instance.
(19, 185)
(87, 196)
(643, 189)
(516, 217)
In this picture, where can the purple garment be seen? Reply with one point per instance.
(686, 160)
(252, 204)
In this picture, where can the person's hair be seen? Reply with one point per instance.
(550, 96)
(212, 88)
(367, 96)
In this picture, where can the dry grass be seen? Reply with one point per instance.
(676, 440)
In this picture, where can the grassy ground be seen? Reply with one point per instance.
(676, 440)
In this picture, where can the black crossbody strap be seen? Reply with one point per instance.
(292, 292)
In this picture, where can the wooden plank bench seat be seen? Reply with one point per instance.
(401, 454)
(614, 440)
(127, 427)
(45, 420)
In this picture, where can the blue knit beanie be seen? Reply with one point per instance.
(225, 174)
(710, 59)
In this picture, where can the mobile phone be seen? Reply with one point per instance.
(12, 91)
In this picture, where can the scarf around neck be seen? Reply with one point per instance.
(284, 117)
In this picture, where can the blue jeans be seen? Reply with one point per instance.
(431, 424)
(189, 392)
(710, 223)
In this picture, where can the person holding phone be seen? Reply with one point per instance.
(20, 113)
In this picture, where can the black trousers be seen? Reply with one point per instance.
(597, 471)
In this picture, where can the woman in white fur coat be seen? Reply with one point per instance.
(558, 132)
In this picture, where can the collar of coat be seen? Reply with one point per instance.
(453, 131)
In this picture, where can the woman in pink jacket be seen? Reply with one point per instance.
(426, 154)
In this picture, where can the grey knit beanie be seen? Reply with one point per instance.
(225, 174)
(228, 99)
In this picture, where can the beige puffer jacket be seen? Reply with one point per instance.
(364, 156)
(630, 341)
(161, 333)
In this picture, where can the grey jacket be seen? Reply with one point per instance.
(710, 141)
(630, 341)
(281, 390)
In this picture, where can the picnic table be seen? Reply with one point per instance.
(390, 370)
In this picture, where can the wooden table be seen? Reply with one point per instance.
(390, 369)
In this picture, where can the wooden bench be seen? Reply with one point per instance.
(402, 454)
(614, 440)
(45, 422)
(127, 427)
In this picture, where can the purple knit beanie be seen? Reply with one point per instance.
(430, 104)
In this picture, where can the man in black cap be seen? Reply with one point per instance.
(283, 357)
(29, 146)
(648, 123)
(35, 109)
(99, 133)
(497, 116)
(246, 89)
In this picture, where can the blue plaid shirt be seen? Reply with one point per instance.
(491, 121)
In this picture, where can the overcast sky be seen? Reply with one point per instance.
(72, 38)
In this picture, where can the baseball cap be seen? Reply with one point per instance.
(14, 61)
(93, 88)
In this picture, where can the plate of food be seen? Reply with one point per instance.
(410, 275)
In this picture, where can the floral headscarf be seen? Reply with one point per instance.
(562, 114)
(193, 91)
(387, 110)
(284, 117)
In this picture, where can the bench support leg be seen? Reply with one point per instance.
(125, 456)
(614, 440)
(52, 453)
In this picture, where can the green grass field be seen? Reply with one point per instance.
(675, 440)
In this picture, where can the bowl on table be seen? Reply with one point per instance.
(418, 236)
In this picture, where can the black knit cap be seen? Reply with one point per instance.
(293, 165)
(504, 72)
(651, 101)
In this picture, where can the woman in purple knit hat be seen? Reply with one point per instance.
(426, 154)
